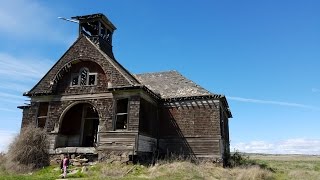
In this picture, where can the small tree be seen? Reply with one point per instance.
(29, 150)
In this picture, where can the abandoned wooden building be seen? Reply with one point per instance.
(89, 103)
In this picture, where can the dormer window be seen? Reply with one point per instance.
(84, 78)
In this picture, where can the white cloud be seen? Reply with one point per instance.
(18, 16)
(18, 75)
(29, 19)
(16, 87)
(290, 146)
(22, 68)
(6, 138)
(11, 96)
(280, 103)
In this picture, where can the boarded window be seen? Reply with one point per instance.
(121, 114)
(42, 114)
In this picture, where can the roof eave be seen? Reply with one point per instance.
(143, 87)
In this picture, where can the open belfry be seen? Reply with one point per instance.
(90, 104)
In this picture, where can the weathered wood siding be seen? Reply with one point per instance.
(146, 143)
(225, 142)
(134, 108)
(193, 146)
(117, 141)
(191, 128)
(29, 115)
(148, 118)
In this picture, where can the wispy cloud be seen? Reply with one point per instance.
(12, 86)
(280, 103)
(22, 68)
(290, 146)
(17, 75)
(29, 19)
(6, 138)
(10, 96)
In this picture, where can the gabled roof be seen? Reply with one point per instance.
(80, 49)
(171, 84)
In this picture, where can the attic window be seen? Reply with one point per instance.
(42, 114)
(84, 78)
(121, 119)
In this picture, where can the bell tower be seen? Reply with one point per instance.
(99, 29)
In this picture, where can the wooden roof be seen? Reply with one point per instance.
(171, 84)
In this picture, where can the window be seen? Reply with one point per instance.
(121, 119)
(74, 79)
(92, 80)
(84, 78)
(42, 114)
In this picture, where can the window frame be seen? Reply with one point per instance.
(73, 76)
(116, 114)
(45, 117)
(95, 78)
(78, 76)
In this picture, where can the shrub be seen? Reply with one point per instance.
(238, 159)
(28, 151)
(2, 162)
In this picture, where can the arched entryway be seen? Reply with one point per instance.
(79, 127)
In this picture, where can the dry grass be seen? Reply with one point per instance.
(265, 168)
(114, 170)
(291, 166)
(251, 173)
(28, 151)
(206, 170)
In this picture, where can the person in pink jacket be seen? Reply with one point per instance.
(64, 165)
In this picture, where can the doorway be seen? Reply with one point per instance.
(79, 127)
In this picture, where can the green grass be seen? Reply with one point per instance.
(291, 166)
(261, 167)
(51, 172)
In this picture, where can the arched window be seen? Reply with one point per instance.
(84, 78)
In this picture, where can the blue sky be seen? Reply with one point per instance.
(263, 55)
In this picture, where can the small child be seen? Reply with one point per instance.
(64, 165)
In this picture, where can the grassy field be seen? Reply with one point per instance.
(291, 166)
(262, 167)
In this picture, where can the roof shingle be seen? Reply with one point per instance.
(171, 84)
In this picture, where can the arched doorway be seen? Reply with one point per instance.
(79, 127)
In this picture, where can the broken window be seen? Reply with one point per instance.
(84, 78)
(121, 119)
(74, 79)
(42, 114)
(92, 80)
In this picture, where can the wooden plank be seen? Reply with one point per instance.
(146, 144)
(198, 146)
